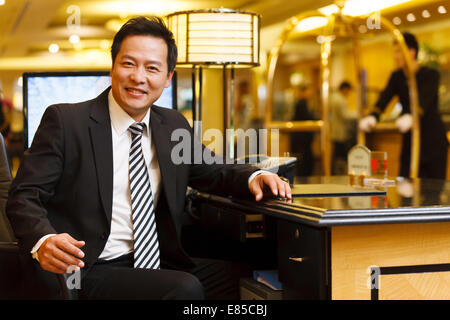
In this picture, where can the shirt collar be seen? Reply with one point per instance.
(121, 120)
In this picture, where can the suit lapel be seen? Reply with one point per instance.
(101, 138)
(163, 146)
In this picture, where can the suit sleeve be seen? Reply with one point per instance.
(386, 95)
(35, 182)
(429, 91)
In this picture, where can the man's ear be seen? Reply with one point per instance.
(169, 78)
(413, 54)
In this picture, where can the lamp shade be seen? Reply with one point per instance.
(216, 36)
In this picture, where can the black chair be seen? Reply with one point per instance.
(10, 262)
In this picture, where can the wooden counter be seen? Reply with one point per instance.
(394, 246)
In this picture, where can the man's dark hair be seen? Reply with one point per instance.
(411, 42)
(345, 85)
(151, 26)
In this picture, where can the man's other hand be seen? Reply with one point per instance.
(272, 182)
(59, 252)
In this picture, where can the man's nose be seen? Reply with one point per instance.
(138, 75)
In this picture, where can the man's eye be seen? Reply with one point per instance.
(152, 68)
(127, 63)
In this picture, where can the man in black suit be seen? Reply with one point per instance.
(433, 140)
(71, 203)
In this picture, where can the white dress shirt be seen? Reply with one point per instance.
(120, 240)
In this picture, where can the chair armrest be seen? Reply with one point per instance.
(10, 247)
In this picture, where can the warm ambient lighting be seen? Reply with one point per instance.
(361, 7)
(115, 24)
(130, 8)
(397, 21)
(411, 17)
(216, 36)
(53, 48)
(105, 44)
(311, 23)
(74, 38)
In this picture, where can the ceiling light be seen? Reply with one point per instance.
(442, 10)
(361, 7)
(411, 17)
(2, 2)
(53, 48)
(329, 10)
(311, 23)
(74, 38)
(397, 21)
(426, 14)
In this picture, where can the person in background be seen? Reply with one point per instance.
(301, 141)
(433, 141)
(5, 105)
(343, 126)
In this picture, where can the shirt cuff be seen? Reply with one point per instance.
(254, 174)
(36, 247)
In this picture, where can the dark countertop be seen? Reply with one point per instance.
(409, 201)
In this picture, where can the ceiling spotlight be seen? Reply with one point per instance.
(74, 38)
(411, 17)
(53, 48)
(397, 21)
(442, 10)
(426, 14)
(2, 2)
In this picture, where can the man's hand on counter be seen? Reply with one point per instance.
(272, 182)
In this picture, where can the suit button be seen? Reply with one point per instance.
(103, 236)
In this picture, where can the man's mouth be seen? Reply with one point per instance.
(136, 91)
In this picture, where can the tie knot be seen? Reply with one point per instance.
(137, 128)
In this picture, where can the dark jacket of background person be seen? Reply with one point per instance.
(433, 146)
(301, 141)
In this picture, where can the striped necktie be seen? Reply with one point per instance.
(146, 247)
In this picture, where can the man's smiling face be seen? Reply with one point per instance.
(140, 74)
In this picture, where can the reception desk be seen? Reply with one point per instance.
(392, 246)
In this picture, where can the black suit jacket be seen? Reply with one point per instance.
(65, 182)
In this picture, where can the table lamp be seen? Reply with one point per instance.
(222, 38)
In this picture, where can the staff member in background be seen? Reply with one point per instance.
(433, 141)
(301, 142)
(98, 190)
(343, 127)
